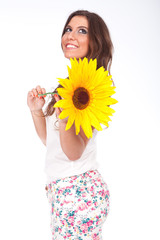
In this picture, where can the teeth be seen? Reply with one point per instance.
(71, 46)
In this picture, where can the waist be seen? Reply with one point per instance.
(56, 169)
(86, 176)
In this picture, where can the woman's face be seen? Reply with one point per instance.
(75, 41)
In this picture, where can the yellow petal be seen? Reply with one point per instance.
(102, 107)
(71, 119)
(63, 103)
(86, 124)
(111, 101)
(65, 93)
(64, 114)
(94, 121)
(78, 120)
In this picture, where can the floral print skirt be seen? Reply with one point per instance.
(79, 206)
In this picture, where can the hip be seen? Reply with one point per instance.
(80, 192)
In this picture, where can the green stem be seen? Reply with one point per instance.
(47, 94)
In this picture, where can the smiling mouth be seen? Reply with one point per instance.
(71, 46)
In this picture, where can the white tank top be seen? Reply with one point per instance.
(57, 165)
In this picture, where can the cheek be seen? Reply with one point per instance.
(86, 44)
(63, 42)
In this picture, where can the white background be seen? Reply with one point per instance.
(128, 152)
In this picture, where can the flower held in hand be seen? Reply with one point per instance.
(86, 96)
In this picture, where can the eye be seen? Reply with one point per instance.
(68, 29)
(83, 31)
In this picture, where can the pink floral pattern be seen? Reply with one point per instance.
(79, 206)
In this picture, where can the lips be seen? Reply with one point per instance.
(71, 46)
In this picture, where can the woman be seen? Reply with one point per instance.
(77, 193)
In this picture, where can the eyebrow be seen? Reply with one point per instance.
(78, 26)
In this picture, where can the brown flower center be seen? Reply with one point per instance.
(81, 98)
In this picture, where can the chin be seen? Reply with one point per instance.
(73, 56)
(69, 54)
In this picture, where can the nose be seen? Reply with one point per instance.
(71, 35)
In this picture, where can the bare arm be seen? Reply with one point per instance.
(40, 124)
(36, 104)
(72, 145)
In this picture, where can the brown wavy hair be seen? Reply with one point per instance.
(100, 45)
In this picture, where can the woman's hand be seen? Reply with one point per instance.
(35, 102)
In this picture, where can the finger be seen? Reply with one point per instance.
(35, 93)
(56, 97)
(58, 111)
(30, 94)
(39, 89)
(43, 90)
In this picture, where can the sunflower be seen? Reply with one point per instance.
(86, 96)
